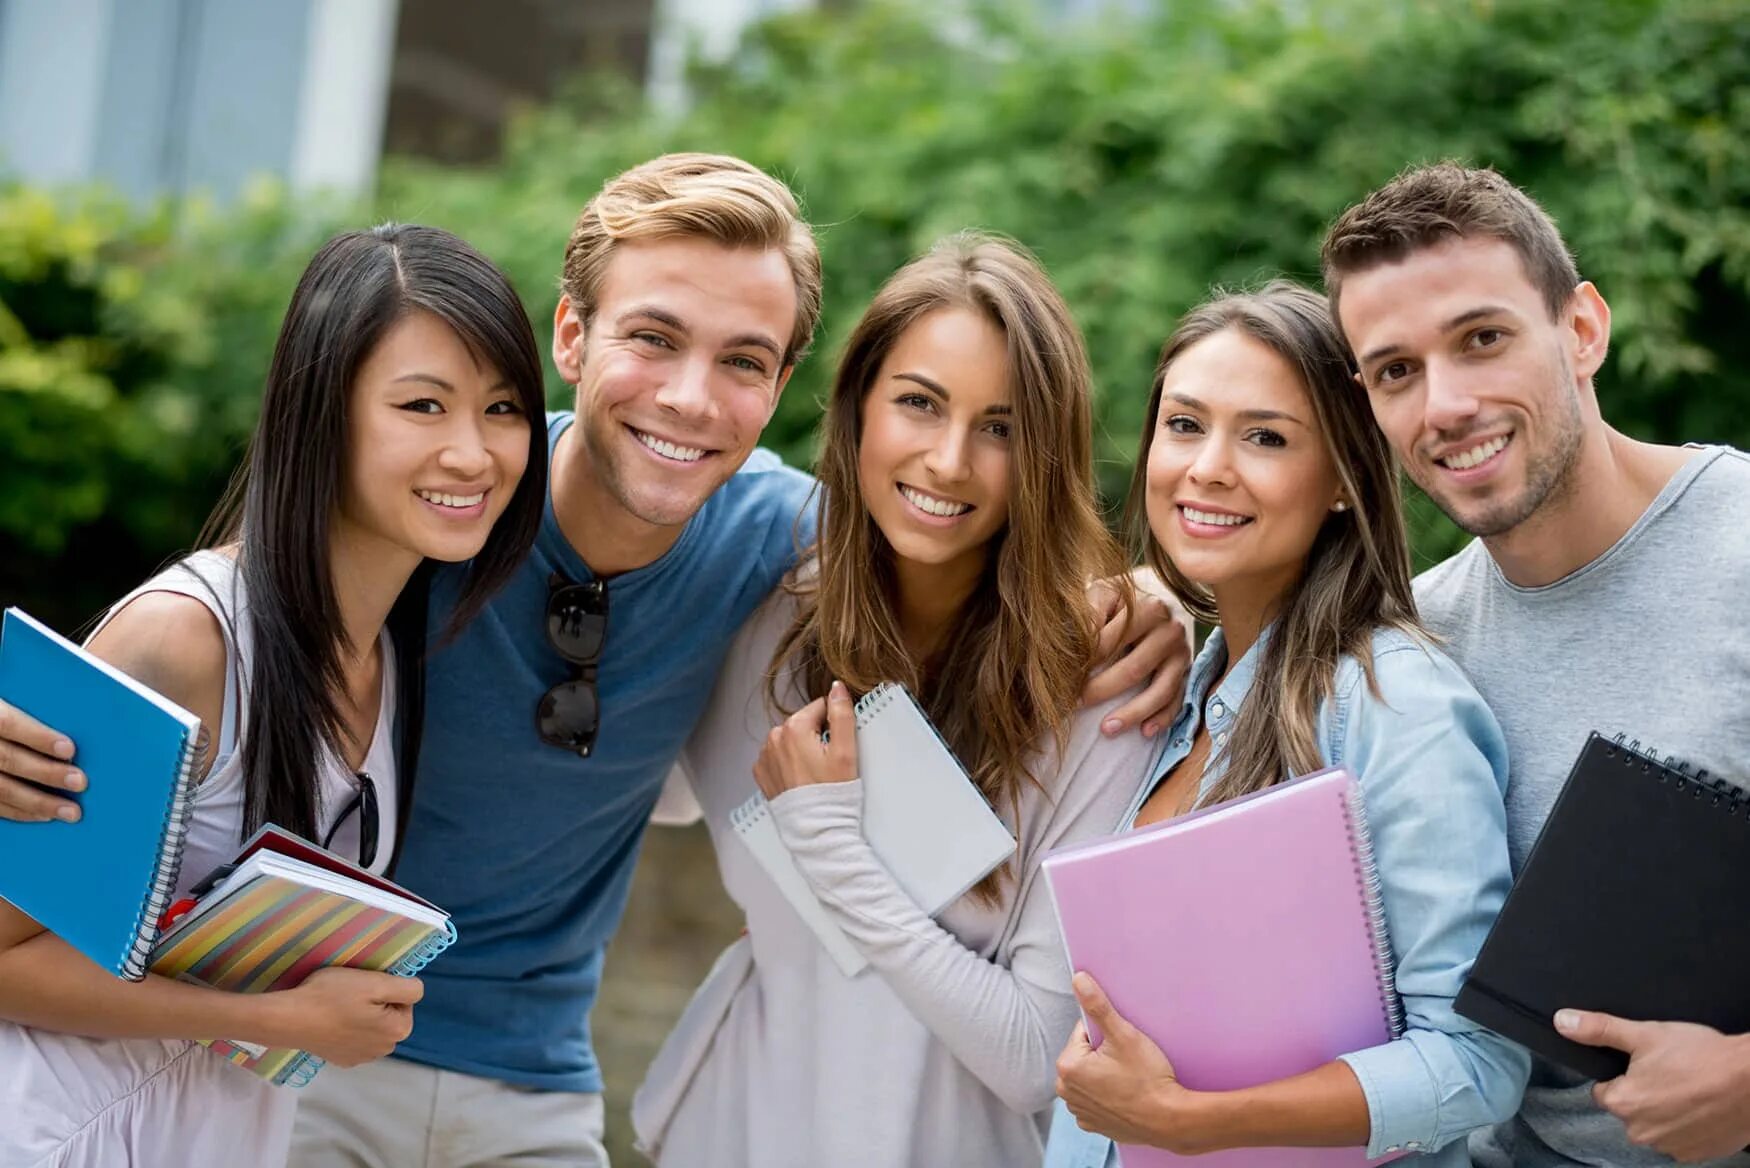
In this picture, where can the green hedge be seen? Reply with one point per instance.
(1143, 159)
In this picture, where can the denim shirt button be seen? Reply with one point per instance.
(1221, 739)
(1216, 709)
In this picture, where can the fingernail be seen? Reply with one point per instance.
(75, 781)
(67, 814)
(1567, 1020)
(1082, 982)
(63, 748)
(1111, 726)
(838, 687)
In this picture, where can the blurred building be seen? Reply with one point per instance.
(173, 96)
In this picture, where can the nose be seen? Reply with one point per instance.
(688, 394)
(949, 458)
(464, 452)
(1449, 403)
(1212, 465)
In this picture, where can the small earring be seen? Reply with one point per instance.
(1339, 505)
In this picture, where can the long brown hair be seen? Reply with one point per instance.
(1357, 574)
(1016, 661)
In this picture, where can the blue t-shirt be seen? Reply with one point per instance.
(531, 848)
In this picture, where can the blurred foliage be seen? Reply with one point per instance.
(1143, 158)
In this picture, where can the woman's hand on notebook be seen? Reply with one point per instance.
(345, 1016)
(816, 744)
(34, 757)
(1124, 1089)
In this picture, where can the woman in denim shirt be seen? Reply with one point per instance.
(1273, 507)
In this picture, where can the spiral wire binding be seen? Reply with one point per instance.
(303, 1068)
(876, 700)
(176, 820)
(1373, 897)
(1676, 772)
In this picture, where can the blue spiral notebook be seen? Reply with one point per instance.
(101, 883)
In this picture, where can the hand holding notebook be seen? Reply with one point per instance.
(99, 884)
(284, 910)
(922, 816)
(1246, 939)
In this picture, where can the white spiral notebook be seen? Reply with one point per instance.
(923, 818)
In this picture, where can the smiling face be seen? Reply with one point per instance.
(436, 443)
(1481, 393)
(1239, 477)
(678, 370)
(933, 463)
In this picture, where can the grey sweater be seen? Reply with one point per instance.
(1650, 640)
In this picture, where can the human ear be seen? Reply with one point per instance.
(1589, 319)
(567, 342)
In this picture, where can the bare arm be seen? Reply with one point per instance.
(1126, 1089)
(174, 644)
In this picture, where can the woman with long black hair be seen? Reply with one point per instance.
(398, 426)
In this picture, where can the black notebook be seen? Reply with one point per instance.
(1631, 902)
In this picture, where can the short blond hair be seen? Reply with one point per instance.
(707, 196)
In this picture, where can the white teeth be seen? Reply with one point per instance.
(1476, 455)
(446, 500)
(933, 505)
(669, 449)
(1220, 520)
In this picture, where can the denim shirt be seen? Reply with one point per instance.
(1432, 764)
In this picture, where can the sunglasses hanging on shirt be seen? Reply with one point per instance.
(569, 715)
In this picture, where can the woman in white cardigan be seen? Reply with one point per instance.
(959, 530)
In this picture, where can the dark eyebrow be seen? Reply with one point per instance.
(1190, 402)
(428, 379)
(941, 391)
(434, 380)
(1469, 316)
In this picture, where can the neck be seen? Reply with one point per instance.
(609, 538)
(368, 576)
(931, 597)
(1613, 482)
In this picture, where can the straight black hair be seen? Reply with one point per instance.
(281, 503)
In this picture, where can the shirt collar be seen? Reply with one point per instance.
(1221, 707)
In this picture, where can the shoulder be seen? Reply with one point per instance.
(1408, 670)
(1096, 772)
(1442, 587)
(1421, 711)
(765, 503)
(173, 643)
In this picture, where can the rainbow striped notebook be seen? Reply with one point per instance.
(272, 919)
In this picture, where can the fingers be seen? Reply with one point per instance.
(1097, 1006)
(406, 991)
(20, 729)
(25, 804)
(1111, 638)
(1156, 705)
(841, 721)
(1599, 1029)
(31, 753)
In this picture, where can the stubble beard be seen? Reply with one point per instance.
(1549, 473)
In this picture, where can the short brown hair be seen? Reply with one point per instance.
(709, 196)
(1425, 206)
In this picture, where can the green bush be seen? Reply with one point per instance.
(1144, 159)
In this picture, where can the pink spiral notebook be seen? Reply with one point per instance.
(1247, 939)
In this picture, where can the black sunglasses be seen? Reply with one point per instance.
(569, 714)
(365, 803)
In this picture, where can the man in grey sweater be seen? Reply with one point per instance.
(1604, 592)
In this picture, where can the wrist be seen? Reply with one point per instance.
(1188, 1122)
(266, 1019)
